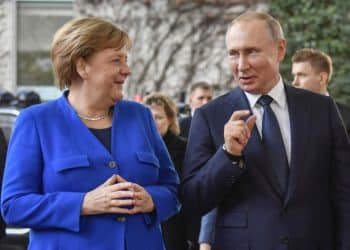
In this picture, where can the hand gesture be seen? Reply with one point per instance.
(112, 196)
(237, 132)
(143, 202)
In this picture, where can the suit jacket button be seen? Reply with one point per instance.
(112, 164)
(121, 218)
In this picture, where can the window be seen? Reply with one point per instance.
(37, 21)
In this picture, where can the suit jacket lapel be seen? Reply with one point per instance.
(236, 100)
(254, 152)
(300, 116)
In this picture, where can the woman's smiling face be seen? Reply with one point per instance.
(105, 73)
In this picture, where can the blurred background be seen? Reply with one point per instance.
(175, 42)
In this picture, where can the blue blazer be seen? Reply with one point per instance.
(53, 160)
(252, 212)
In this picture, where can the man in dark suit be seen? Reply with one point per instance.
(200, 94)
(286, 191)
(312, 70)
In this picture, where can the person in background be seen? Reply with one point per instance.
(164, 112)
(312, 70)
(89, 170)
(272, 158)
(26, 98)
(200, 94)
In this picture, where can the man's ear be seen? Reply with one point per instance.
(324, 79)
(281, 49)
(80, 66)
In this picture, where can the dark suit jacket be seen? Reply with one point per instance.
(185, 124)
(345, 114)
(252, 213)
(179, 232)
(193, 221)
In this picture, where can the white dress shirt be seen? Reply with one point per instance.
(279, 107)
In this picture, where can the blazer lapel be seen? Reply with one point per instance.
(88, 143)
(236, 100)
(254, 151)
(300, 116)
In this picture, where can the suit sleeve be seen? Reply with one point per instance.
(164, 194)
(23, 201)
(340, 180)
(207, 230)
(208, 174)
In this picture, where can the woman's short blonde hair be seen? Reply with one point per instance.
(81, 38)
(162, 100)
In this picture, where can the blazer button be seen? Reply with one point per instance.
(121, 219)
(112, 164)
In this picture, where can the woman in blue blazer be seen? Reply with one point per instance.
(89, 170)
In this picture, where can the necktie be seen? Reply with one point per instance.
(273, 142)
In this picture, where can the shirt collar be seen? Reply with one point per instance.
(277, 93)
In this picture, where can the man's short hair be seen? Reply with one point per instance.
(272, 24)
(319, 61)
(200, 85)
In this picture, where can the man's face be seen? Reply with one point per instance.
(306, 77)
(200, 97)
(254, 57)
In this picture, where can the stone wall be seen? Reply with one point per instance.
(175, 43)
(7, 80)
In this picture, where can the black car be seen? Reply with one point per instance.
(11, 238)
